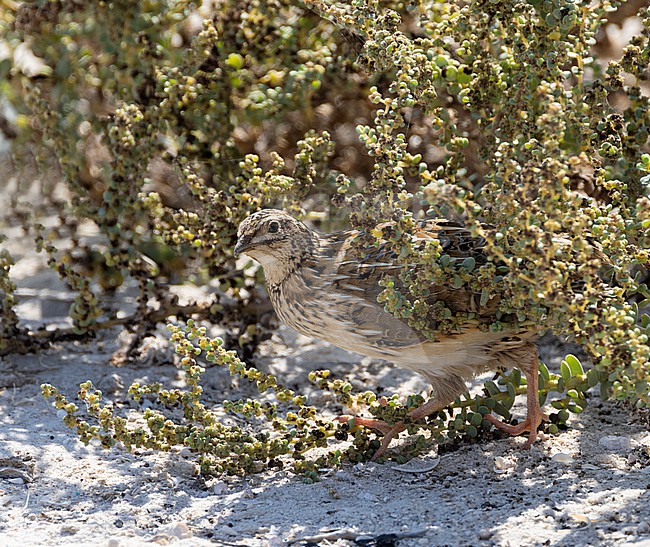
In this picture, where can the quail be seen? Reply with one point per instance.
(320, 287)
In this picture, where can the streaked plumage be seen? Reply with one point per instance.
(320, 289)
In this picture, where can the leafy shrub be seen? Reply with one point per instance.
(292, 427)
(167, 123)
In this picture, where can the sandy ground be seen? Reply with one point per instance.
(588, 486)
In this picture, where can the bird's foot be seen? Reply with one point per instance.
(527, 425)
(370, 423)
(388, 437)
(389, 431)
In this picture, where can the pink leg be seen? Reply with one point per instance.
(390, 432)
(370, 423)
(534, 414)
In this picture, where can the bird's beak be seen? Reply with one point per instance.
(243, 244)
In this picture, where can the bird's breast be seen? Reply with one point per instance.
(307, 307)
(350, 320)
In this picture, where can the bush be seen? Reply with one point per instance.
(168, 123)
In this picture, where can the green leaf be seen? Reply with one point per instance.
(485, 297)
(476, 419)
(543, 370)
(575, 409)
(469, 263)
(565, 371)
(592, 377)
(605, 390)
(457, 283)
(582, 403)
(5, 68)
(574, 365)
(501, 410)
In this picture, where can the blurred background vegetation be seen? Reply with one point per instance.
(149, 130)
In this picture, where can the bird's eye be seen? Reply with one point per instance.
(274, 226)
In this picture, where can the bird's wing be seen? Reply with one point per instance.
(461, 246)
(359, 277)
(358, 280)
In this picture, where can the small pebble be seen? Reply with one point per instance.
(583, 520)
(615, 443)
(501, 465)
(16, 480)
(179, 530)
(183, 468)
(343, 476)
(485, 534)
(219, 488)
(418, 466)
(643, 528)
(562, 457)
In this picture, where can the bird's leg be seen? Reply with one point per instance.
(392, 431)
(370, 423)
(534, 414)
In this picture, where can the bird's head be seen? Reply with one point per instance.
(275, 239)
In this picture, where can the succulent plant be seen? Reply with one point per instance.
(162, 125)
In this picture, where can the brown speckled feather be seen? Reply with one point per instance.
(319, 288)
(363, 276)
